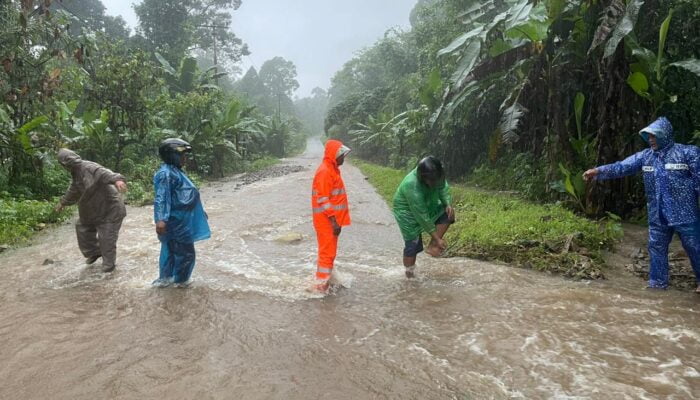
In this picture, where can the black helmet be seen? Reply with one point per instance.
(170, 150)
(430, 170)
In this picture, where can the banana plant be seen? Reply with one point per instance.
(503, 36)
(188, 78)
(648, 73)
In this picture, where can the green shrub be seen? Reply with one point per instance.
(20, 219)
(520, 172)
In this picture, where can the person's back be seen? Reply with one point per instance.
(411, 193)
(102, 202)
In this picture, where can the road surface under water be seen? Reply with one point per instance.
(247, 329)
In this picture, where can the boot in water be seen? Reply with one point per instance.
(91, 260)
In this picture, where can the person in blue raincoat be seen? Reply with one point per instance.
(671, 181)
(179, 215)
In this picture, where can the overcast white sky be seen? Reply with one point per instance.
(319, 36)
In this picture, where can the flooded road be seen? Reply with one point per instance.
(246, 328)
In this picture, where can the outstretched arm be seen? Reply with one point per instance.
(629, 166)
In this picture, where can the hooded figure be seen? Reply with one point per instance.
(100, 207)
(329, 204)
(179, 215)
(422, 203)
(671, 175)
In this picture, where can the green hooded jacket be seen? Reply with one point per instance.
(417, 207)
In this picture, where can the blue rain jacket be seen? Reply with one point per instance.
(671, 176)
(177, 202)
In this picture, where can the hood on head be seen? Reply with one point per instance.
(335, 149)
(68, 158)
(661, 129)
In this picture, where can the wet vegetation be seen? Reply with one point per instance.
(72, 76)
(525, 95)
(513, 95)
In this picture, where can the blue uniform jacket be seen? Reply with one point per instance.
(671, 177)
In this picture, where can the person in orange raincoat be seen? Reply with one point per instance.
(329, 203)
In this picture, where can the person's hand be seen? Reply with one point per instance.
(336, 226)
(442, 244)
(59, 207)
(590, 174)
(161, 228)
(450, 213)
(336, 229)
(121, 186)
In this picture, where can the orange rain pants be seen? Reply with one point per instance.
(327, 249)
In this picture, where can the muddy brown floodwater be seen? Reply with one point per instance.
(246, 328)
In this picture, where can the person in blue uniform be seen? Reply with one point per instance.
(671, 176)
(179, 215)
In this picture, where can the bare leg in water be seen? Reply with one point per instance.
(433, 249)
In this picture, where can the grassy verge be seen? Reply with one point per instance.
(502, 227)
(21, 219)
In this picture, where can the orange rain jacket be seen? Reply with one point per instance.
(328, 198)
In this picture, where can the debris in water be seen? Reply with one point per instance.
(290, 238)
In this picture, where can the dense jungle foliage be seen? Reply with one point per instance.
(525, 95)
(72, 76)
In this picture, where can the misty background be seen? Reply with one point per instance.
(318, 36)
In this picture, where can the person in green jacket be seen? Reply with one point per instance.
(422, 203)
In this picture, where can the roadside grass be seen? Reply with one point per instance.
(503, 227)
(21, 219)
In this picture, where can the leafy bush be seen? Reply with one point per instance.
(20, 219)
(521, 172)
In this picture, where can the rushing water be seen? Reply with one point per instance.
(247, 329)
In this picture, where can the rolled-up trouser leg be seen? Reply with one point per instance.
(87, 239)
(108, 234)
(659, 238)
(690, 237)
(327, 249)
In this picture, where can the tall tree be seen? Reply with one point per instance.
(279, 76)
(250, 85)
(91, 15)
(177, 27)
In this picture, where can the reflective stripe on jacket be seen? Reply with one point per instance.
(328, 196)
